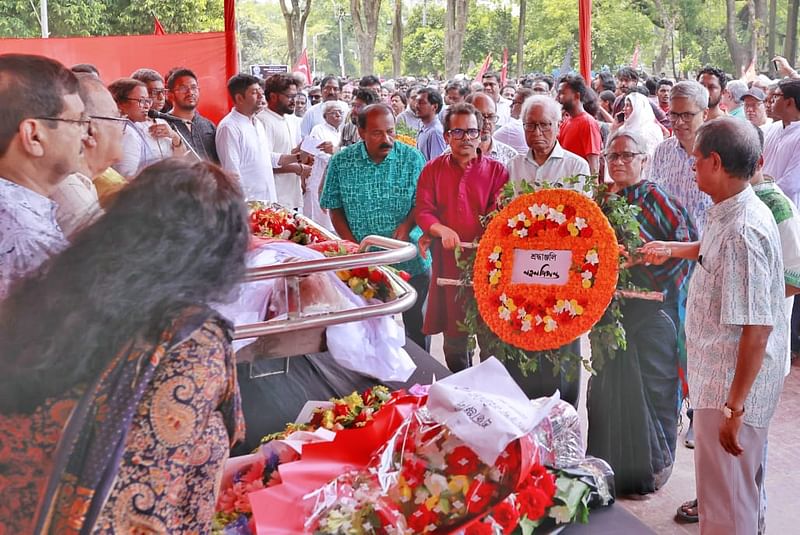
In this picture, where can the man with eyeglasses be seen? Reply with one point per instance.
(361, 99)
(490, 147)
(673, 164)
(42, 129)
(198, 131)
(284, 136)
(546, 160)
(491, 86)
(782, 138)
(512, 133)
(77, 196)
(454, 191)
(155, 87)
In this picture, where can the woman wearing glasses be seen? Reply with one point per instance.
(146, 140)
(632, 402)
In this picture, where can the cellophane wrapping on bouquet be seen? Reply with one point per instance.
(559, 435)
(445, 466)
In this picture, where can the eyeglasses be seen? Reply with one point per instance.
(459, 133)
(143, 102)
(118, 120)
(155, 93)
(685, 116)
(186, 89)
(491, 117)
(290, 96)
(543, 127)
(82, 122)
(335, 113)
(624, 157)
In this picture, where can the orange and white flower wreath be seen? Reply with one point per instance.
(538, 317)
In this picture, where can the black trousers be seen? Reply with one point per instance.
(414, 316)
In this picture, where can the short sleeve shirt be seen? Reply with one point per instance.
(375, 198)
(738, 281)
(581, 135)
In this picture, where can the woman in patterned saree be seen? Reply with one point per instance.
(119, 400)
(632, 402)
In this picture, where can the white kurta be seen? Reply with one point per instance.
(140, 149)
(782, 157)
(284, 136)
(245, 152)
(311, 208)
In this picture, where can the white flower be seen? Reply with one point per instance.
(586, 275)
(521, 313)
(522, 232)
(538, 209)
(592, 258)
(512, 222)
(494, 257)
(503, 298)
(580, 223)
(526, 326)
(505, 314)
(555, 215)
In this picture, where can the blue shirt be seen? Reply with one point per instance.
(376, 198)
(430, 140)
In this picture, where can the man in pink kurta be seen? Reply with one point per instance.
(454, 190)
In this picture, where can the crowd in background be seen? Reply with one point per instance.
(125, 183)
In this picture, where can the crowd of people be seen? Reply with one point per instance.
(123, 219)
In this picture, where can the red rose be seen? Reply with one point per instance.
(563, 231)
(340, 409)
(420, 519)
(506, 515)
(479, 528)
(533, 503)
(479, 495)
(413, 472)
(362, 273)
(376, 275)
(586, 232)
(462, 461)
(405, 275)
(569, 211)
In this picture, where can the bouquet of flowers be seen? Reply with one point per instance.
(424, 480)
(273, 221)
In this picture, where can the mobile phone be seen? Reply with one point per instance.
(775, 64)
(621, 117)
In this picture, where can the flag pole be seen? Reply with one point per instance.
(43, 19)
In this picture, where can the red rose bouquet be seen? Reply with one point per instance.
(424, 480)
(274, 221)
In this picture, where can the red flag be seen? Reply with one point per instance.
(635, 58)
(485, 67)
(504, 70)
(159, 29)
(302, 66)
(585, 33)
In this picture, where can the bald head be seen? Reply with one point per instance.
(103, 145)
(488, 109)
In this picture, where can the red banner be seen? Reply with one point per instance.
(585, 32)
(119, 56)
(485, 67)
(158, 28)
(302, 66)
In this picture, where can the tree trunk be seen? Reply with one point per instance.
(772, 29)
(455, 28)
(758, 23)
(397, 40)
(365, 15)
(523, 7)
(740, 54)
(295, 27)
(790, 45)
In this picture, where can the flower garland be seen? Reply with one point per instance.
(608, 335)
(405, 134)
(272, 221)
(535, 316)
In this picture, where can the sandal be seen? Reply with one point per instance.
(688, 512)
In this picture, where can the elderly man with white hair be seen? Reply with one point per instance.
(546, 160)
(732, 98)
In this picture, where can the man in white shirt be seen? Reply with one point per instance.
(491, 86)
(512, 133)
(242, 144)
(546, 161)
(282, 132)
(331, 90)
(76, 195)
(41, 137)
(782, 140)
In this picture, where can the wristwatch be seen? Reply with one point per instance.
(730, 413)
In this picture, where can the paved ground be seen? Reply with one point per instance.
(783, 475)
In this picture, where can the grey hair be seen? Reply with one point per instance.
(737, 89)
(735, 141)
(692, 90)
(331, 105)
(638, 141)
(552, 109)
